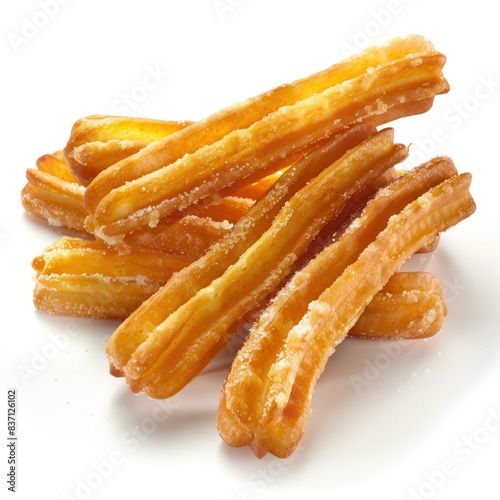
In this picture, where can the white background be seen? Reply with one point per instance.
(423, 425)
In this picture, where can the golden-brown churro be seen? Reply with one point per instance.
(87, 278)
(99, 141)
(280, 410)
(186, 283)
(83, 278)
(284, 212)
(410, 306)
(370, 96)
(243, 114)
(180, 347)
(52, 194)
(251, 365)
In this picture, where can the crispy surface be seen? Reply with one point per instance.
(247, 379)
(87, 278)
(185, 284)
(373, 95)
(284, 210)
(51, 196)
(410, 306)
(186, 341)
(193, 230)
(242, 115)
(55, 195)
(191, 236)
(99, 141)
(279, 414)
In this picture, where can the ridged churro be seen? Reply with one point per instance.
(99, 141)
(186, 283)
(242, 115)
(87, 278)
(180, 347)
(278, 411)
(53, 194)
(269, 333)
(121, 202)
(84, 278)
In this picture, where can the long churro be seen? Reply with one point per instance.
(242, 115)
(186, 283)
(281, 407)
(265, 145)
(252, 363)
(83, 278)
(99, 141)
(180, 347)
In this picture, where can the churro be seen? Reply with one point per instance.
(83, 278)
(87, 278)
(278, 412)
(410, 306)
(224, 253)
(99, 141)
(180, 347)
(242, 115)
(121, 201)
(252, 363)
(53, 194)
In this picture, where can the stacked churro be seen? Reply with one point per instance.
(286, 207)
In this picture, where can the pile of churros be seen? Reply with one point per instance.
(286, 212)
